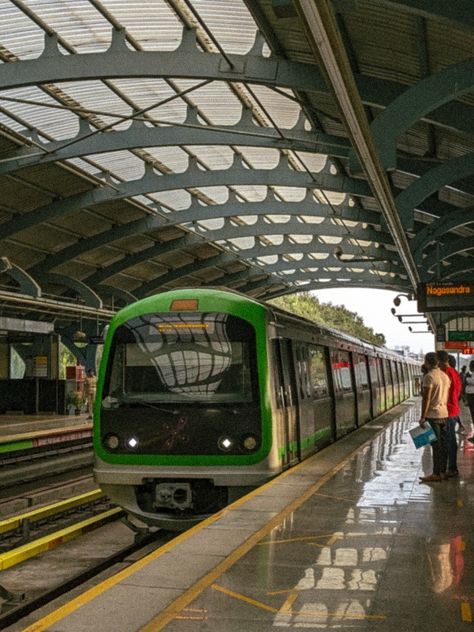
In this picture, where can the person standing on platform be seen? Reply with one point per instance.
(90, 388)
(434, 409)
(445, 363)
(469, 391)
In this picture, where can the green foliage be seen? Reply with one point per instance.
(335, 316)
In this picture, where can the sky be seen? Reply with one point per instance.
(374, 308)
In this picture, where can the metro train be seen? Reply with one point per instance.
(204, 394)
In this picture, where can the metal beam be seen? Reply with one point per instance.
(328, 47)
(193, 177)
(449, 249)
(139, 135)
(90, 298)
(414, 104)
(197, 213)
(440, 176)
(438, 228)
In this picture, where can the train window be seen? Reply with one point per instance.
(302, 371)
(341, 370)
(319, 378)
(373, 370)
(182, 357)
(360, 370)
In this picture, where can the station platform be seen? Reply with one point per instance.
(349, 539)
(18, 424)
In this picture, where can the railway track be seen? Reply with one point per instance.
(19, 604)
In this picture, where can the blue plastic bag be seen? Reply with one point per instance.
(423, 436)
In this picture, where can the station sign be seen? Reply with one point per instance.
(445, 297)
(96, 340)
(461, 335)
(440, 333)
(467, 351)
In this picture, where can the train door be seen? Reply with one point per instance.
(396, 381)
(374, 387)
(321, 395)
(387, 371)
(306, 418)
(362, 388)
(344, 393)
(382, 391)
(288, 404)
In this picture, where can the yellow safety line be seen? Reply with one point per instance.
(466, 612)
(240, 597)
(51, 541)
(183, 600)
(288, 604)
(41, 433)
(10, 524)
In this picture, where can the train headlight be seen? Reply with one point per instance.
(225, 443)
(132, 443)
(112, 441)
(249, 442)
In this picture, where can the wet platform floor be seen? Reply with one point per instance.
(349, 540)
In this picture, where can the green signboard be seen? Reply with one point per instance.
(460, 335)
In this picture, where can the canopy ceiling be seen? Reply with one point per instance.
(267, 146)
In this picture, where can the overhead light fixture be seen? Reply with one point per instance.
(79, 337)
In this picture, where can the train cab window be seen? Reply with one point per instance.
(341, 371)
(318, 371)
(360, 370)
(182, 357)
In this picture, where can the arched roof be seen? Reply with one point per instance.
(271, 146)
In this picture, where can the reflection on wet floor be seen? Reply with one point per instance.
(372, 549)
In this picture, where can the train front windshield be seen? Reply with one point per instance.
(182, 358)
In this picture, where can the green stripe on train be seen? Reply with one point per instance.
(15, 446)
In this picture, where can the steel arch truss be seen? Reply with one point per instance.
(289, 245)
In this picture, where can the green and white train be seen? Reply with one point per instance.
(204, 394)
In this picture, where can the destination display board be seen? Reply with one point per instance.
(457, 344)
(445, 297)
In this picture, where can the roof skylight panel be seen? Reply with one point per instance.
(177, 199)
(282, 110)
(54, 122)
(230, 23)
(172, 158)
(19, 34)
(213, 156)
(291, 194)
(216, 101)
(123, 164)
(261, 158)
(77, 21)
(152, 23)
(96, 96)
(313, 162)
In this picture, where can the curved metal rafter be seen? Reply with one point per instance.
(269, 270)
(140, 135)
(285, 248)
(443, 175)
(193, 177)
(121, 62)
(415, 103)
(91, 299)
(438, 228)
(450, 248)
(27, 283)
(198, 213)
(113, 292)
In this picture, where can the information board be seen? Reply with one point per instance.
(461, 335)
(445, 297)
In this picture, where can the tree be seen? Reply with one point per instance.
(329, 315)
